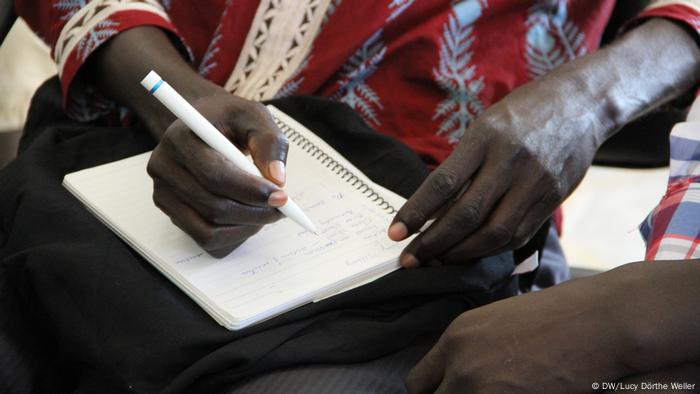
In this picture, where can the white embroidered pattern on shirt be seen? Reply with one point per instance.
(332, 6)
(83, 24)
(279, 40)
(552, 39)
(213, 50)
(96, 37)
(295, 80)
(354, 90)
(397, 7)
(208, 62)
(456, 74)
(68, 7)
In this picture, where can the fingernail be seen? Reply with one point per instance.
(398, 231)
(408, 260)
(277, 198)
(277, 171)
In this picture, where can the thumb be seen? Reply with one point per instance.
(268, 148)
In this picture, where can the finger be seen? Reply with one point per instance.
(497, 232)
(514, 222)
(213, 208)
(223, 252)
(220, 211)
(535, 216)
(210, 237)
(268, 146)
(269, 152)
(441, 186)
(427, 375)
(462, 218)
(214, 172)
(242, 233)
(533, 221)
(489, 240)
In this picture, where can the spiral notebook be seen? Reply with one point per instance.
(281, 267)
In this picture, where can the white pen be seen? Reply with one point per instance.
(212, 137)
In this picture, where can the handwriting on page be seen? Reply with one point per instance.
(284, 259)
(333, 230)
(342, 228)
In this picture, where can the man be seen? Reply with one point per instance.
(449, 80)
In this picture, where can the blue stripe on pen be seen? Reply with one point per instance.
(156, 86)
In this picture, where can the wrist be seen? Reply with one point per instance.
(647, 67)
(120, 64)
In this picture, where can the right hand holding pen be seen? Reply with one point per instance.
(218, 204)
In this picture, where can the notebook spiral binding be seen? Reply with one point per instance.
(330, 163)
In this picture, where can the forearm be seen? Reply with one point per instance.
(653, 306)
(118, 67)
(634, 319)
(638, 318)
(599, 93)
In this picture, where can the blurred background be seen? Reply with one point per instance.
(25, 64)
(600, 218)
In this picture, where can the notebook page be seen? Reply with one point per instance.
(394, 199)
(125, 207)
(280, 267)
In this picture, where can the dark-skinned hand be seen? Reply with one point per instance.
(638, 318)
(207, 196)
(530, 344)
(512, 168)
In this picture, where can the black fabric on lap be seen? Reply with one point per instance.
(82, 312)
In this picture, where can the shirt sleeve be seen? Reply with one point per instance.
(74, 29)
(672, 230)
(683, 11)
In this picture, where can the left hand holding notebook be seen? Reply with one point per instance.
(207, 196)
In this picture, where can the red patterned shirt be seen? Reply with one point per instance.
(419, 70)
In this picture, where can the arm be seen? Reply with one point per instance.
(204, 194)
(120, 64)
(219, 205)
(525, 154)
(74, 30)
(631, 320)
